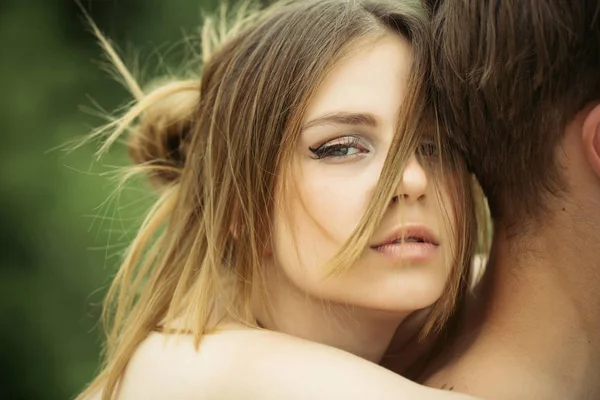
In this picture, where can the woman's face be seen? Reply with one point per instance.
(347, 132)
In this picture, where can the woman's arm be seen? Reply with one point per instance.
(261, 365)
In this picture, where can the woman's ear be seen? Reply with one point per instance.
(235, 225)
(591, 138)
(267, 249)
(235, 229)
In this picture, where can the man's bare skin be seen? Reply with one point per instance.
(533, 333)
(533, 327)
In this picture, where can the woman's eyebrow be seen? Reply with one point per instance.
(343, 118)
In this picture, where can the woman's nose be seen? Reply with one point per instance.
(413, 185)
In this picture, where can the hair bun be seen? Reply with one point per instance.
(161, 140)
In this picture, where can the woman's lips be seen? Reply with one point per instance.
(408, 251)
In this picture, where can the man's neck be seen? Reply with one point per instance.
(545, 303)
(538, 318)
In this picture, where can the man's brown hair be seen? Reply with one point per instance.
(509, 76)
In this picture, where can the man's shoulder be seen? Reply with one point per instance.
(492, 373)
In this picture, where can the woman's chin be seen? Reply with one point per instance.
(405, 297)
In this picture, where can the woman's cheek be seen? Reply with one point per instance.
(336, 205)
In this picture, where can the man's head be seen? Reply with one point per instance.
(514, 78)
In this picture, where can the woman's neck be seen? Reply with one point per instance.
(365, 333)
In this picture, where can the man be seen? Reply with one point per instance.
(518, 89)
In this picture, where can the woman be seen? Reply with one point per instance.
(283, 223)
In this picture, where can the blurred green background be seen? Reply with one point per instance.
(60, 238)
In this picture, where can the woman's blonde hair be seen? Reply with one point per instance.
(214, 145)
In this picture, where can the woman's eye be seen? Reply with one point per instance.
(336, 150)
(339, 148)
(428, 149)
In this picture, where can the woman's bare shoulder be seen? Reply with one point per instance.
(253, 364)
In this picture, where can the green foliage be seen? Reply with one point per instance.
(62, 232)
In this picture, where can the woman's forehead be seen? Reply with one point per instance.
(371, 80)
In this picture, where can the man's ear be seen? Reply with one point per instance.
(591, 138)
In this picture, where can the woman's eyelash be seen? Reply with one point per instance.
(342, 147)
(338, 148)
(428, 149)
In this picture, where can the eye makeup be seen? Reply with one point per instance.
(340, 148)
